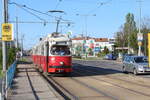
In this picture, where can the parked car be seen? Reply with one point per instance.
(135, 64)
(124, 55)
(110, 57)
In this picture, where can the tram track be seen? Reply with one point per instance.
(31, 85)
(64, 93)
(98, 91)
(115, 84)
(59, 84)
(68, 95)
(95, 89)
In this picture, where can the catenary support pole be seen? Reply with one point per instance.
(5, 20)
(17, 32)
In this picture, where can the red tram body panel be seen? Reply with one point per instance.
(52, 55)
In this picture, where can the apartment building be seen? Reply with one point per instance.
(79, 44)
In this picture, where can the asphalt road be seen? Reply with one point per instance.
(107, 65)
(103, 80)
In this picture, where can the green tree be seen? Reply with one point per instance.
(78, 49)
(131, 31)
(106, 50)
(127, 36)
(90, 51)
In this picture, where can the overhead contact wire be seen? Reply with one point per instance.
(20, 6)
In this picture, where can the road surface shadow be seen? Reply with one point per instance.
(24, 62)
(80, 70)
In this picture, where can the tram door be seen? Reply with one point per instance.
(46, 54)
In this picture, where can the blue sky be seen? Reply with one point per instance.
(109, 17)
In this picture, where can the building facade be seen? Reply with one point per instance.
(91, 46)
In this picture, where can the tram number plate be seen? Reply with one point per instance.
(60, 70)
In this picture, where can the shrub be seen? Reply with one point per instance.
(11, 56)
(0, 59)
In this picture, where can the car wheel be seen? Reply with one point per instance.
(124, 69)
(135, 71)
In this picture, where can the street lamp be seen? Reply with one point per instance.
(85, 18)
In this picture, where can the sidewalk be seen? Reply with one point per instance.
(29, 85)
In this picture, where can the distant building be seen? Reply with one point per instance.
(95, 44)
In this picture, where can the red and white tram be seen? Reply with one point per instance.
(52, 54)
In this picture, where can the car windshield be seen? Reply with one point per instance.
(140, 59)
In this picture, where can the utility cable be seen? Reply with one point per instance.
(24, 6)
(58, 4)
(20, 6)
(100, 4)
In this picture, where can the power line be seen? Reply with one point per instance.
(20, 6)
(29, 8)
(24, 22)
(100, 4)
(58, 4)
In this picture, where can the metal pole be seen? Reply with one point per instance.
(57, 25)
(139, 50)
(5, 20)
(149, 49)
(85, 34)
(140, 16)
(128, 41)
(17, 32)
(22, 46)
(85, 39)
(145, 46)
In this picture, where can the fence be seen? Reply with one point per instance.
(6, 81)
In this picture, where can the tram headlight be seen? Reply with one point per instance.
(62, 63)
(52, 59)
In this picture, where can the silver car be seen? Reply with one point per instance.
(135, 64)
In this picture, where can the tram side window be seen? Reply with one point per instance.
(60, 50)
(42, 50)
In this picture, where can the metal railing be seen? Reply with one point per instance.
(7, 80)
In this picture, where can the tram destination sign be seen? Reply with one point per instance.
(7, 32)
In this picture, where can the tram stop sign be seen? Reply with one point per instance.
(7, 32)
(140, 36)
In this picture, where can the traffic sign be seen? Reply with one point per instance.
(139, 43)
(7, 32)
(140, 36)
